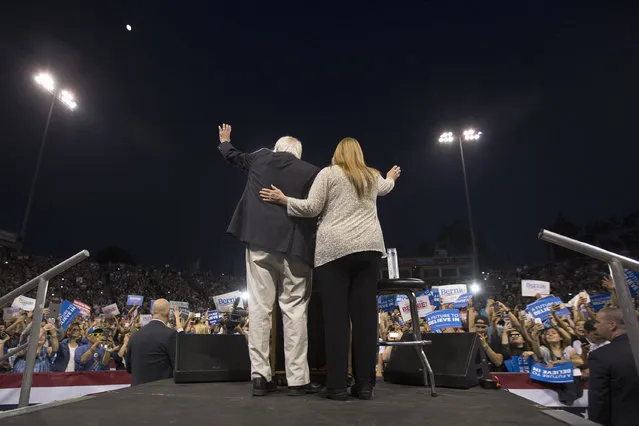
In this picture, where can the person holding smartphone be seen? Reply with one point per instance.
(95, 355)
(44, 353)
(65, 358)
(480, 325)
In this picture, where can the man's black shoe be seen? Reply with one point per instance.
(362, 391)
(334, 394)
(304, 389)
(261, 387)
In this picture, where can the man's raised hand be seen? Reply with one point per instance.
(225, 132)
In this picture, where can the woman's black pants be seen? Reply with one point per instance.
(348, 286)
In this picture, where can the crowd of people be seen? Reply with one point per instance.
(102, 284)
(63, 349)
(584, 329)
(97, 286)
(497, 314)
(506, 329)
(568, 277)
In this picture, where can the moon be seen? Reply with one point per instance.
(128, 27)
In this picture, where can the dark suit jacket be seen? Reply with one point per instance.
(151, 353)
(613, 386)
(63, 355)
(264, 224)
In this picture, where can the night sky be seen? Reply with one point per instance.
(554, 89)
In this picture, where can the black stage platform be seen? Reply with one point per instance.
(165, 403)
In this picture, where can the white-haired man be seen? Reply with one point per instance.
(279, 257)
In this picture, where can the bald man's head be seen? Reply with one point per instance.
(161, 309)
(610, 323)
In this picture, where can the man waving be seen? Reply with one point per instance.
(279, 256)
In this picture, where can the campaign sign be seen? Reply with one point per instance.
(547, 323)
(145, 319)
(510, 366)
(438, 320)
(525, 364)
(224, 302)
(386, 303)
(85, 310)
(183, 307)
(633, 282)
(134, 300)
(462, 301)
(433, 296)
(24, 302)
(68, 312)
(541, 308)
(450, 293)
(560, 373)
(531, 288)
(214, 317)
(10, 313)
(574, 302)
(430, 295)
(598, 301)
(436, 297)
(519, 364)
(423, 308)
(404, 310)
(111, 309)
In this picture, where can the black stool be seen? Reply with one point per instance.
(409, 286)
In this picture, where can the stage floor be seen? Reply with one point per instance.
(164, 403)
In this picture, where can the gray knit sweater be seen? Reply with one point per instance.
(347, 224)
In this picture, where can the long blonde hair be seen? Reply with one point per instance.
(350, 158)
(201, 329)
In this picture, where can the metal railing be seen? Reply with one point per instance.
(42, 283)
(617, 263)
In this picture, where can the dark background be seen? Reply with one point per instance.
(553, 88)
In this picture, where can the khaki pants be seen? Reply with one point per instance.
(270, 275)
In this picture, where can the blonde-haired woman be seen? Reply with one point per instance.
(348, 248)
(202, 328)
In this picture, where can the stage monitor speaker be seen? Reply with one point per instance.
(456, 359)
(211, 358)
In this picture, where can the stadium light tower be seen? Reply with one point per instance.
(66, 98)
(468, 135)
